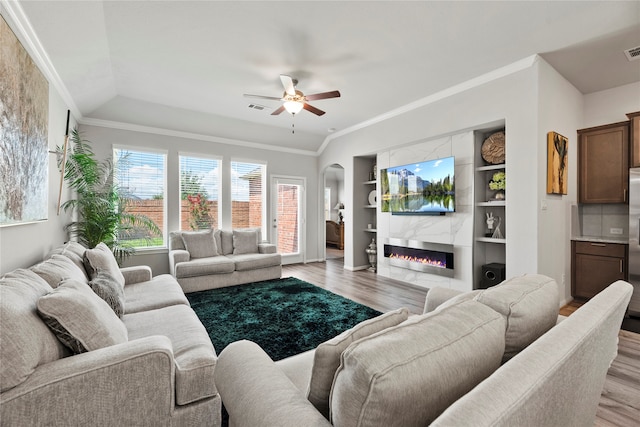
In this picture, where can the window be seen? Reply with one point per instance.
(199, 193)
(248, 195)
(141, 178)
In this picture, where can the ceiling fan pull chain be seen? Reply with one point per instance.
(293, 125)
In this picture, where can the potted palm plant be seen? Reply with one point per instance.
(100, 204)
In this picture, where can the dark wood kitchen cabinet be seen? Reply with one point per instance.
(595, 265)
(634, 139)
(603, 164)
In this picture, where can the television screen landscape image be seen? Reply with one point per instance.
(419, 188)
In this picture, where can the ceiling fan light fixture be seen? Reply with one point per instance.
(293, 107)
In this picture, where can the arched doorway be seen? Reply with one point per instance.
(333, 213)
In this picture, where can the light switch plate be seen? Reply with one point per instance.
(615, 230)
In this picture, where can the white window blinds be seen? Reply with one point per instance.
(248, 194)
(141, 178)
(199, 193)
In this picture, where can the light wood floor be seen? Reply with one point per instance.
(620, 401)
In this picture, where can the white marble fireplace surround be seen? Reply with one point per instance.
(453, 228)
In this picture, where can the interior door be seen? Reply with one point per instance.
(288, 217)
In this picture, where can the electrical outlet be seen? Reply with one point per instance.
(615, 230)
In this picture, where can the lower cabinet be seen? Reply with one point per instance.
(595, 265)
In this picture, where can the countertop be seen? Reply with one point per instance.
(600, 239)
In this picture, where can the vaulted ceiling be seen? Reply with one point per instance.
(185, 65)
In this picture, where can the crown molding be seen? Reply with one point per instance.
(25, 32)
(188, 135)
(496, 74)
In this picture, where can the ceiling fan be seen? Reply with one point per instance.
(294, 100)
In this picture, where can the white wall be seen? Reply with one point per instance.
(611, 106)
(25, 245)
(512, 98)
(455, 228)
(560, 107)
(532, 101)
(278, 163)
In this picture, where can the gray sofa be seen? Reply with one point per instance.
(151, 366)
(496, 357)
(208, 259)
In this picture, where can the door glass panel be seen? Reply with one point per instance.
(288, 219)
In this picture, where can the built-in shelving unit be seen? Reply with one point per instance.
(487, 249)
(372, 184)
(364, 167)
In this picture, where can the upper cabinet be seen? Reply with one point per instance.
(634, 131)
(603, 163)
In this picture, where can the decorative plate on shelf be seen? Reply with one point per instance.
(493, 149)
(372, 197)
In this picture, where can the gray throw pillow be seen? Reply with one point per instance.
(200, 244)
(58, 268)
(529, 304)
(80, 319)
(101, 258)
(75, 252)
(108, 288)
(25, 341)
(326, 358)
(407, 375)
(245, 242)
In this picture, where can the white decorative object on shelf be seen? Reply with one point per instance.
(372, 197)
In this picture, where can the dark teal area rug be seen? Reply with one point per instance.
(284, 316)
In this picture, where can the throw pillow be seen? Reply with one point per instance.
(200, 244)
(245, 242)
(529, 304)
(326, 359)
(25, 341)
(101, 258)
(80, 319)
(407, 375)
(58, 268)
(75, 252)
(108, 288)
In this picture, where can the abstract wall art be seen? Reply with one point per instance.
(24, 119)
(557, 163)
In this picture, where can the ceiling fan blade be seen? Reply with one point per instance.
(287, 82)
(279, 110)
(323, 95)
(274, 98)
(313, 109)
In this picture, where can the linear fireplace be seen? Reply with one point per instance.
(426, 257)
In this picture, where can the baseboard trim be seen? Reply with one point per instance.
(356, 268)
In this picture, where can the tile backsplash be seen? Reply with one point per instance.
(599, 220)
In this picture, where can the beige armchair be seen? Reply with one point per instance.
(335, 234)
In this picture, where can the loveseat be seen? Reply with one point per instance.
(208, 259)
(86, 343)
(495, 357)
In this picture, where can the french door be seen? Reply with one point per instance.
(288, 217)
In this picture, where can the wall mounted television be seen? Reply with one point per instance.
(425, 188)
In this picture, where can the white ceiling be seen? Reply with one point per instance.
(184, 65)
